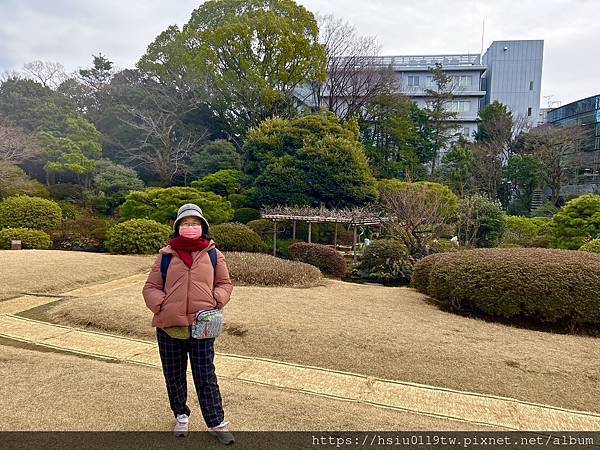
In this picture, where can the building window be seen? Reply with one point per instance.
(529, 112)
(430, 81)
(413, 80)
(459, 106)
(465, 80)
(597, 145)
(466, 132)
(531, 85)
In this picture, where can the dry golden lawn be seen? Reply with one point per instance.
(50, 271)
(392, 333)
(47, 391)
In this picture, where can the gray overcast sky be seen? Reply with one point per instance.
(70, 31)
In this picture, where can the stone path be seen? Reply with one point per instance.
(501, 412)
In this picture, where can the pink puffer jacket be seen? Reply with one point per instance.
(187, 290)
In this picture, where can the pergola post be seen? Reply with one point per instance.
(309, 232)
(275, 238)
(294, 231)
(354, 244)
(335, 237)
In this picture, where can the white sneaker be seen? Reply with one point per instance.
(222, 433)
(181, 426)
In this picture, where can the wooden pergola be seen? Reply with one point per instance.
(358, 216)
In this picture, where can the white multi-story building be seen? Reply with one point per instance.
(509, 72)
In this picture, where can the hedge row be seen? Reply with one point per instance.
(30, 239)
(552, 286)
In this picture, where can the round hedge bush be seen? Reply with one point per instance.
(34, 213)
(543, 285)
(137, 236)
(237, 237)
(258, 269)
(30, 239)
(386, 260)
(422, 269)
(591, 246)
(327, 259)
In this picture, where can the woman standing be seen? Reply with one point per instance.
(193, 283)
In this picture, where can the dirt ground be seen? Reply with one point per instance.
(71, 393)
(37, 271)
(392, 333)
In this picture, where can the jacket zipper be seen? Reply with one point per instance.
(187, 294)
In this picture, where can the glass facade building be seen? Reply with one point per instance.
(584, 165)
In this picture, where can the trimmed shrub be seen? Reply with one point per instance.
(34, 213)
(30, 239)
(161, 204)
(237, 237)
(326, 259)
(386, 260)
(525, 232)
(543, 285)
(577, 222)
(421, 271)
(258, 269)
(245, 215)
(592, 246)
(137, 236)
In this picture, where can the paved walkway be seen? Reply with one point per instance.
(501, 412)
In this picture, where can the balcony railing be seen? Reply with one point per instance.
(428, 60)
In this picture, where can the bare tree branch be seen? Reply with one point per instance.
(49, 74)
(355, 75)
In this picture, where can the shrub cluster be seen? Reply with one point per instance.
(325, 258)
(34, 213)
(577, 222)
(522, 231)
(543, 285)
(30, 239)
(258, 269)
(591, 246)
(386, 260)
(83, 232)
(237, 237)
(137, 236)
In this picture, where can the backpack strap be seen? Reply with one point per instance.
(164, 265)
(213, 256)
(166, 260)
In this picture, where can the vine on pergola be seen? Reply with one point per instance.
(356, 216)
(365, 215)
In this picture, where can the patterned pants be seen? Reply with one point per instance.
(174, 357)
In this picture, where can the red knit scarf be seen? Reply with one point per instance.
(185, 246)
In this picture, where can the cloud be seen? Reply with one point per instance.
(70, 31)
